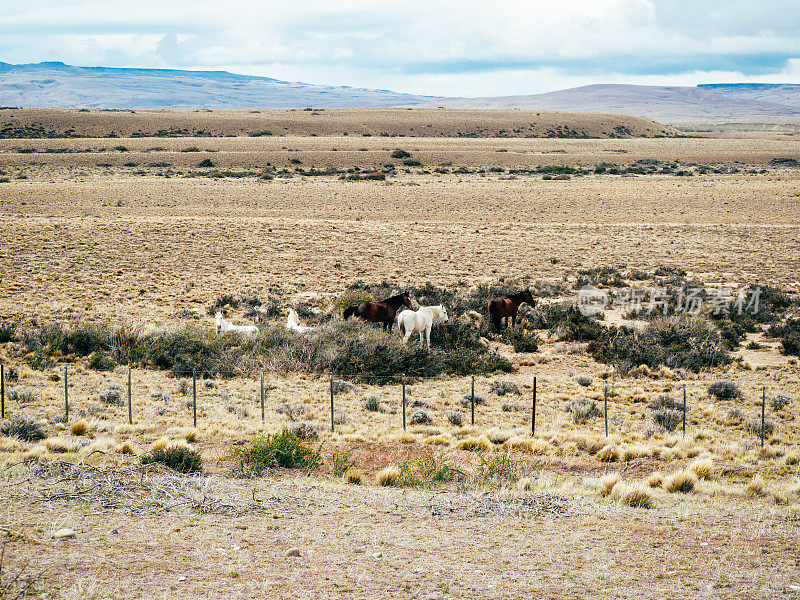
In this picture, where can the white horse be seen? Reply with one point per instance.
(293, 322)
(421, 321)
(223, 326)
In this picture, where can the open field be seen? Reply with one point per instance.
(154, 245)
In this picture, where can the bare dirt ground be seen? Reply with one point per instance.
(154, 243)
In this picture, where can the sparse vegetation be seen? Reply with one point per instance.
(22, 427)
(280, 450)
(178, 458)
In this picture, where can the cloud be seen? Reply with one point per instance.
(440, 48)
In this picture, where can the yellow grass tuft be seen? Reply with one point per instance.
(608, 482)
(160, 444)
(438, 440)
(191, 436)
(124, 448)
(475, 444)
(683, 481)
(792, 458)
(79, 428)
(525, 484)
(388, 476)
(609, 453)
(756, 486)
(778, 498)
(702, 468)
(636, 496)
(8, 444)
(353, 476)
(407, 438)
(655, 480)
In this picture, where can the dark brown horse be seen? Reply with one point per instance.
(379, 312)
(500, 308)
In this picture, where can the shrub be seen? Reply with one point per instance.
(292, 410)
(734, 415)
(522, 340)
(455, 418)
(342, 387)
(789, 335)
(495, 470)
(99, 361)
(567, 323)
(667, 418)
(79, 428)
(583, 410)
(23, 428)
(583, 380)
(724, 390)
(675, 342)
(753, 427)
(22, 396)
(609, 453)
(475, 444)
(282, 449)
(412, 162)
(7, 331)
(111, 394)
(419, 417)
(504, 387)
(351, 298)
(372, 403)
(388, 476)
(304, 431)
(681, 481)
(178, 458)
(702, 468)
(780, 401)
(426, 470)
(400, 154)
(466, 399)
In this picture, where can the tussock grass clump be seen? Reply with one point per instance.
(284, 450)
(353, 476)
(583, 410)
(608, 483)
(388, 476)
(583, 380)
(724, 390)
(23, 428)
(304, 430)
(455, 418)
(609, 453)
(372, 403)
(504, 387)
(702, 468)
(475, 444)
(683, 481)
(125, 448)
(635, 496)
(79, 428)
(734, 416)
(756, 487)
(793, 458)
(656, 479)
(178, 458)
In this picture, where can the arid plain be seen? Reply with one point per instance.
(149, 231)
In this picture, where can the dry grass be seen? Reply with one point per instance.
(683, 481)
(388, 476)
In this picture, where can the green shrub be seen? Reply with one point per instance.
(675, 342)
(789, 335)
(567, 323)
(724, 390)
(400, 154)
(494, 470)
(7, 331)
(99, 361)
(427, 470)
(351, 297)
(178, 458)
(284, 450)
(206, 162)
(521, 339)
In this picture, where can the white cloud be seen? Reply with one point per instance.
(440, 48)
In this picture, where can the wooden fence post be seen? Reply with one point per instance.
(404, 401)
(66, 397)
(533, 409)
(130, 406)
(194, 397)
(473, 399)
(331, 401)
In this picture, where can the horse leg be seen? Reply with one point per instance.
(428, 335)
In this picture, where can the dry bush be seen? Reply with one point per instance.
(756, 487)
(683, 481)
(79, 428)
(475, 444)
(655, 479)
(502, 388)
(609, 453)
(702, 468)
(753, 426)
(111, 394)
(583, 409)
(372, 403)
(304, 430)
(22, 396)
(23, 428)
(584, 380)
(780, 401)
(419, 417)
(734, 416)
(466, 399)
(388, 476)
(724, 390)
(608, 482)
(455, 418)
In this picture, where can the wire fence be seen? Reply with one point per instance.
(129, 396)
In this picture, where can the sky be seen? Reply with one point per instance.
(442, 48)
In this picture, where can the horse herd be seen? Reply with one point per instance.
(408, 321)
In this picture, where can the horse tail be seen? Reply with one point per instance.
(401, 324)
(350, 310)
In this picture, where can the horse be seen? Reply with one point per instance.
(223, 326)
(421, 321)
(293, 322)
(379, 312)
(500, 308)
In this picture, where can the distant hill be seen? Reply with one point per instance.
(668, 104)
(57, 85)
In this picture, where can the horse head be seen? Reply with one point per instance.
(406, 299)
(528, 296)
(218, 320)
(443, 313)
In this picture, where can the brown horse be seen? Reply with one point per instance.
(500, 308)
(379, 312)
